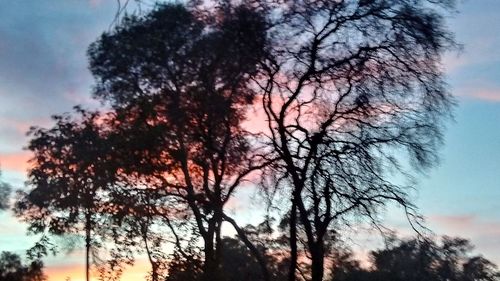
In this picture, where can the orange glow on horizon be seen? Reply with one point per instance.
(76, 272)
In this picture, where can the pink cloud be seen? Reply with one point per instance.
(484, 233)
(469, 225)
(479, 89)
(95, 3)
(18, 125)
(17, 162)
(487, 95)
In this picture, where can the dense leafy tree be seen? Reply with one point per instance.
(69, 176)
(238, 263)
(12, 269)
(178, 84)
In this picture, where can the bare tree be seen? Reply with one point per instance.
(349, 89)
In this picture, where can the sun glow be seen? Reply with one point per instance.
(76, 272)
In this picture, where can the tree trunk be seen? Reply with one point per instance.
(210, 263)
(88, 226)
(154, 270)
(219, 247)
(293, 242)
(317, 261)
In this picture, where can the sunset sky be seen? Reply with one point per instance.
(43, 71)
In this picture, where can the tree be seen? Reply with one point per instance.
(238, 263)
(12, 269)
(69, 176)
(178, 84)
(346, 268)
(4, 195)
(133, 228)
(421, 260)
(349, 89)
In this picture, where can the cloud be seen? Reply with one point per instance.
(470, 225)
(479, 90)
(95, 3)
(484, 233)
(43, 65)
(477, 65)
(43, 62)
(14, 162)
(492, 95)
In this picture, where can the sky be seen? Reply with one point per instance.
(43, 71)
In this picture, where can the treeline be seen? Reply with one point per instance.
(402, 260)
(13, 269)
(317, 104)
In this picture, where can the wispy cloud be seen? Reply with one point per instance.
(16, 162)
(471, 225)
(479, 90)
(484, 233)
(492, 95)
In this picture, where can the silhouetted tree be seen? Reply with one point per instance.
(427, 260)
(349, 88)
(134, 228)
(420, 260)
(185, 266)
(68, 176)
(4, 194)
(448, 260)
(479, 268)
(178, 85)
(238, 263)
(12, 269)
(346, 268)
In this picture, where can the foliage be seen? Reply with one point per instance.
(69, 176)
(348, 88)
(421, 260)
(238, 263)
(12, 269)
(4, 195)
(411, 259)
(179, 99)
